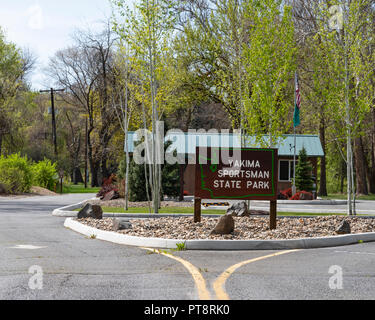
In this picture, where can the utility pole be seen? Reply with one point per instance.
(54, 135)
(86, 150)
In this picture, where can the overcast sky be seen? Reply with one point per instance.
(45, 26)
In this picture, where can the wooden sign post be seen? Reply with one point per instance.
(197, 210)
(248, 174)
(273, 215)
(61, 175)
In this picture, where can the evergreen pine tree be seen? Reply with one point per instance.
(137, 183)
(137, 180)
(304, 180)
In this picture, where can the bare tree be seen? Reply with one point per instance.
(86, 71)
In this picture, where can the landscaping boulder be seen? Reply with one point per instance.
(344, 228)
(91, 211)
(239, 209)
(112, 195)
(225, 225)
(121, 224)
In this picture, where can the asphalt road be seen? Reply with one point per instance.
(75, 267)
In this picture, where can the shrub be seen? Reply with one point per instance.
(45, 174)
(282, 196)
(108, 185)
(302, 195)
(295, 197)
(137, 183)
(288, 193)
(15, 173)
(304, 180)
(110, 181)
(171, 180)
(106, 189)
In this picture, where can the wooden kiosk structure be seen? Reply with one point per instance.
(246, 174)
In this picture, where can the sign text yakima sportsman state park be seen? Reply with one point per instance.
(246, 174)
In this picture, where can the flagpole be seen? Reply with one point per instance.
(294, 188)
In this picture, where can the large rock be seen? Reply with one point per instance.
(91, 211)
(344, 228)
(121, 224)
(239, 209)
(112, 195)
(225, 225)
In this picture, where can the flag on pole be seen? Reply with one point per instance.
(297, 120)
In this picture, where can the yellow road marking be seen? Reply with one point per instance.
(219, 284)
(200, 283)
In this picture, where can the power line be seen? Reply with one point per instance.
(54, 134)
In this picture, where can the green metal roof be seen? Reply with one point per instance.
(187, 142)
(285, 144)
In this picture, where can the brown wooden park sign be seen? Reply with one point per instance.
(236, 174)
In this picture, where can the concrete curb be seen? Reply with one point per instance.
(120, 238)
(219, 245)
(68, 210)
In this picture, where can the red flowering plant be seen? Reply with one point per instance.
(108, 186)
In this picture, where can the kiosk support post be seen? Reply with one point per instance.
(273, 215)
(197, 210)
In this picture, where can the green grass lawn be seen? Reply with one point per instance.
(80, 188)
(169, 210)
(173, 210)
(340, 196)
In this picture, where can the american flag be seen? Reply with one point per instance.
(298, 94)
(296, 119)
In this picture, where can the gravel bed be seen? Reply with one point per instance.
(249, 228)
(120, 203)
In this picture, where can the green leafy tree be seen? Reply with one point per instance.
(348, 44)
(147, 30)
(11, 71)
(209, 54)
(269, 61)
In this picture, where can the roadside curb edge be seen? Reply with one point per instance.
(219, 245)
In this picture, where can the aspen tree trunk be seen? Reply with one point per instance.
(126, 127)
(349, 154)
(148, 176)
(155, 164)
(360, 166)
